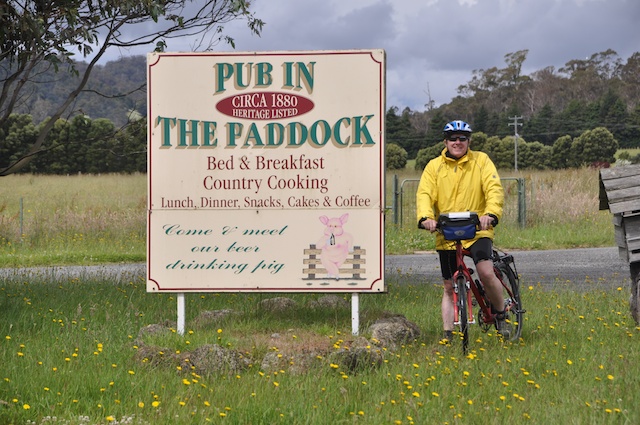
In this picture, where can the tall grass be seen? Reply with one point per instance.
(69, 356)
(101, 219)
(72, 219)
(562, 211)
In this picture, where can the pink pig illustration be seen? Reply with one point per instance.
(335, 244)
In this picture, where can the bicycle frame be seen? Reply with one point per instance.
(476, 291)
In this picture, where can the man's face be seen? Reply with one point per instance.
(457, 144)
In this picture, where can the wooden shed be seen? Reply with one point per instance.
(620, 194)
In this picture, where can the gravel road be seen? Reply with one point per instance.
(115, 272)
(590, 267)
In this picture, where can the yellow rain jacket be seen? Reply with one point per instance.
(470, 183)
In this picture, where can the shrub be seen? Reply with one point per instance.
(427, 154)
(396, 156)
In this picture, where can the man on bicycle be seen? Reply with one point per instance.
(459, 180)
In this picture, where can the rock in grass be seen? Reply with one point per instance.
(393, 331)
(278, 304)
(213, 359)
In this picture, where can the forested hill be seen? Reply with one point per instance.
(113, 92)
(602, 90)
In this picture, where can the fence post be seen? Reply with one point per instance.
(21, 219)
(396, 194)
(522, 203)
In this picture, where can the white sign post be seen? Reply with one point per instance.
(266, 172)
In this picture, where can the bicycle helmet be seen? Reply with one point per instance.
(457, 126)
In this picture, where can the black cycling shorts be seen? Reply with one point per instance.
(481, 250)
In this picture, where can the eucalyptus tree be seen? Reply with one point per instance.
(37, 35)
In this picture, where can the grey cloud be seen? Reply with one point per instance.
(437, 44)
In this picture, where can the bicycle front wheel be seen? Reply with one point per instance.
(513, 302)
(463, 312)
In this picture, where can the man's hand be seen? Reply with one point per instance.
(430, 224)
(486, 222)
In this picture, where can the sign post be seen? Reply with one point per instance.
(266, 172)
(181, 310)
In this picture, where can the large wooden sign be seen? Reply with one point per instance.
(266, 171)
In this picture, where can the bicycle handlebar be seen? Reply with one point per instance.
(468, 217)
(459, 218)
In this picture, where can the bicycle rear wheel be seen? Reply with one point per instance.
(513, 301)
(463, 312)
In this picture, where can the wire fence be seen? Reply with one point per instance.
(403, 205)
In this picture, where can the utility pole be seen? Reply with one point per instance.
(515, 125)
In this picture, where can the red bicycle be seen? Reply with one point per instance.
(457, 227)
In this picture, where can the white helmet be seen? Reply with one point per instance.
(456, 126)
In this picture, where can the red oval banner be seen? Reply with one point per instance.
(264, 105)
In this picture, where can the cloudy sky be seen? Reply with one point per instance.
(433, 46)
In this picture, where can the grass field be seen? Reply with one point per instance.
(84, 220)
(71, 353)
(48, 220)
(561, 210)
(68, 355)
